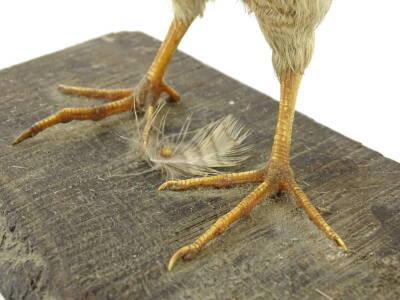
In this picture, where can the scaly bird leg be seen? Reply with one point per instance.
(276, 176)
(108, 94)
(242, 209)
(68, 114)
(143, 97)
(221, 180)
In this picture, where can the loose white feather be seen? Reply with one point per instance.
(199, 152)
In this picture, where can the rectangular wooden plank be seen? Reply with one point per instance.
(70, 229)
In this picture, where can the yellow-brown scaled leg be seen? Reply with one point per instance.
(242, 209)
(112, 94)
(220, 180)
(86, 113)
(144, 96)
(303, 201)
(108, 94)
(276, 176)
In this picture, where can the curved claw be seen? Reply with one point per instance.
(172, 93)
(167, 184)
(30, 132)
(183, 252)
(341, 243)
(303, 201)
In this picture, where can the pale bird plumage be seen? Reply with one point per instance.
(188, 9)
(287, 25)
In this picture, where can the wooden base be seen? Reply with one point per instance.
(71, 229)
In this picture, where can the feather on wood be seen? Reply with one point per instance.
(198, 153)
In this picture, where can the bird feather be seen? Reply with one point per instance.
(198, 153)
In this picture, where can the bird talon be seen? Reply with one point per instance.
(167, 184)
(341, 244)
(145, 95)
(172, 93)
(186, 253)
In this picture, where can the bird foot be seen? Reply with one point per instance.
(143, 97)
(277, 176)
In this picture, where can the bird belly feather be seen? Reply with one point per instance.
(288, 27)
(188, 9)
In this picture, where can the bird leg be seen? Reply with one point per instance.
(276, 176)
(143, 97)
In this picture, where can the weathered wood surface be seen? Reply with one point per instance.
(71, 230)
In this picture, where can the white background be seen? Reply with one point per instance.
(351, 85)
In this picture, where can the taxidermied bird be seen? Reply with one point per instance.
(288, 27)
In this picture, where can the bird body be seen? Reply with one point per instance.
(287, 25)
(188, 10)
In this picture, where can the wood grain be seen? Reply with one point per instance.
(71, 229)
